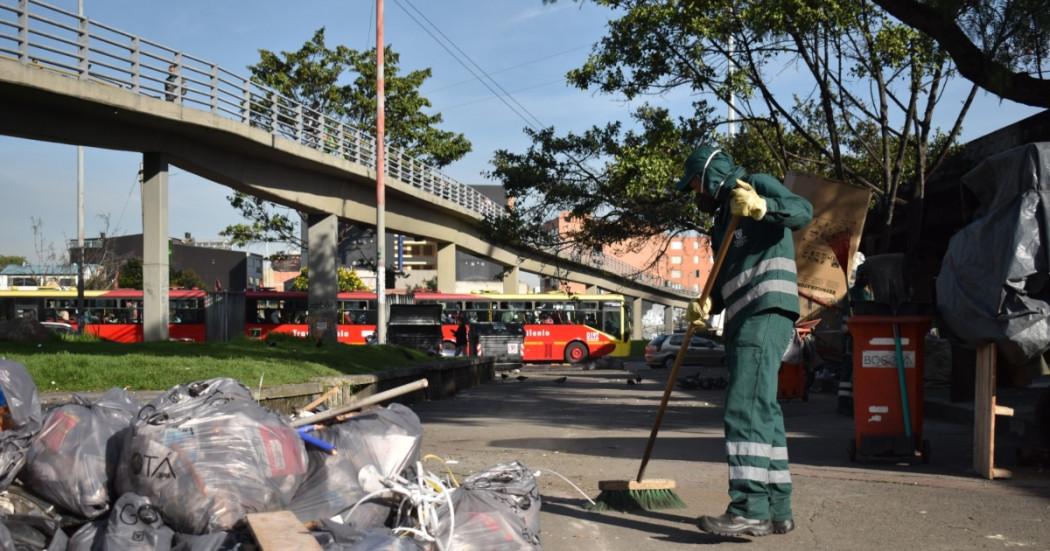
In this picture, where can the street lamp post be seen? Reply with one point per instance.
(80, 219)
(380, 190)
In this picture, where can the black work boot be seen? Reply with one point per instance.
(730, 525)
(783, 526)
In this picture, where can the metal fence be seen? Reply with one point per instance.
(40, 34)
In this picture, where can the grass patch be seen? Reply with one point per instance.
(77, 364)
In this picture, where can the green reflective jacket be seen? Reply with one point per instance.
(759, 273)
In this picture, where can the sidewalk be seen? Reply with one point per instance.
(594, 427)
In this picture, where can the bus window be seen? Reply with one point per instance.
(356, 312)
(515, 312)
(478, 310)
(185, 311)
(612, 322)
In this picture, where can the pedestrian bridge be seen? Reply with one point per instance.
(69, 79)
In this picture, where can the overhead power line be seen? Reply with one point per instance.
(505, 97)
(515, 66)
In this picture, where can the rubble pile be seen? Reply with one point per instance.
(185, 471)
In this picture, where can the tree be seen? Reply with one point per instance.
(6, 260)
(185, 279)
(867, 119)
(339, 82)
(348, 280)
(130, 274)
(1000, 45)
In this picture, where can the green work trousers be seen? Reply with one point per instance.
(756, 447)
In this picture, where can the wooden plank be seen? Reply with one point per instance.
(328, 395)
(1004, 411)
(279, 531)
(984, 412)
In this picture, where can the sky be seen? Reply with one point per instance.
(525, 45)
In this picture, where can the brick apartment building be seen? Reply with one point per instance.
(683, 260)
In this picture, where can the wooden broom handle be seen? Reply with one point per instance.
(709, 286)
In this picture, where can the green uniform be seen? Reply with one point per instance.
(757, 288)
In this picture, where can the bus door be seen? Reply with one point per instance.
(612, 319)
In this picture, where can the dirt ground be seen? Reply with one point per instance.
(594, 427)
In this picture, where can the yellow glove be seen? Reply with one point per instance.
(744, 201)
(697, 313)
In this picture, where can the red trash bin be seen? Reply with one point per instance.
(878, 412)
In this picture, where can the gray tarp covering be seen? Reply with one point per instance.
(387, 438)
(206, 454)
(133, 525)
(23, 405)
(496, 510)
(71, 461)
(994, 284)
(31, 533)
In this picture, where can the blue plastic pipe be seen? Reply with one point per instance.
(905, 402)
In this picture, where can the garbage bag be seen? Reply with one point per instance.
(206, 454)
(994, 284)
(495, 510)
(72, 460)
(31, 533)
(388, 439)
(133, 525)
(216, 541)
(20, 418)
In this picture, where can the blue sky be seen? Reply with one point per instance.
(525, 45)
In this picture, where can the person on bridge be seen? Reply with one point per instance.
(757, 288)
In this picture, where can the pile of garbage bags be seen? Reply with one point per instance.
(183, 472)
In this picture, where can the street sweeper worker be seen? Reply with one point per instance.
(757, 288)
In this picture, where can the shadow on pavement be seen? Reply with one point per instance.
(638, 521)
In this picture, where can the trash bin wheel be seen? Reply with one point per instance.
(852, 450)
(925, 452)
(576, 352)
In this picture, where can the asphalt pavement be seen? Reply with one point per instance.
(594, 426)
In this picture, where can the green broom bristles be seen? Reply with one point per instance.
(637, 500)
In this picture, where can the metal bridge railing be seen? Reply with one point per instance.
(39, 34)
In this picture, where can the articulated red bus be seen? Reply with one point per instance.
(558, 326)
(111, 315)
(284, 312)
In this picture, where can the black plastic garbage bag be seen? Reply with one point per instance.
(386, 438)
(133, 525)
(21, 416)
(72, 460)
(31, 533)
(206, 454)
(994, 284)
(497, 509)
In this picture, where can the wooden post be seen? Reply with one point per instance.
(984, 411)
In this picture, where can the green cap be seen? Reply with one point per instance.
(714, 167)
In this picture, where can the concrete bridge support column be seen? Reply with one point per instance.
(637, 313)
(446, 267)
(668, 319)
(323, 241)
(154, 247)
(510, 280)
(593, 290)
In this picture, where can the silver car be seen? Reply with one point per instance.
(661, 351)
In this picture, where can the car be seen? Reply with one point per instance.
(661, 351)
(58, 327)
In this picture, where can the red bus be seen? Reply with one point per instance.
(558, 326)
(284, 312)
(111, 315)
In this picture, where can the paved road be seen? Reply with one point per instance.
(594, 427)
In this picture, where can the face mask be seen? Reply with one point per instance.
(706, 203)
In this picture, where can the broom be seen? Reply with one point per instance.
(655, 494)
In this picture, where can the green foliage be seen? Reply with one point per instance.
(868, 119)
(185, 279)
(339, 82)
(6, 260)
(130, 276)
(348, 280)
